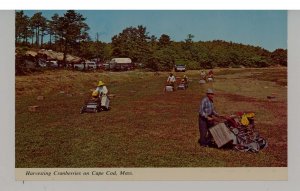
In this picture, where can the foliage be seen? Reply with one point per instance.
(71, 30)
(38, 24)
(131, 43)
(164, 40)
(22, 30)
(68, 34)
(279, 56)
(161, 60)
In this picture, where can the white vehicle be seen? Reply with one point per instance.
(121, 60)
(42, 63)
(121, 64)
(52, 63)
(79, 66)
(180, 68)
(90, 65)
(106, 66)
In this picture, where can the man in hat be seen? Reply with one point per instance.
(206, 112)
(102, 89)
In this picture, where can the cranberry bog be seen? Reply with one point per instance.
(146, 127)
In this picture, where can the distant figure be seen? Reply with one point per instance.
(202, 75)
(171, 80)
(210, 76)
(210, 73)
(186, 79)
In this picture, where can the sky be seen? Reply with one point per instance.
(267, 29)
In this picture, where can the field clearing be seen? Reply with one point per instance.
(145, 127)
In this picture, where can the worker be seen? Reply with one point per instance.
(171, 80)
(102, 93)
(206, 113)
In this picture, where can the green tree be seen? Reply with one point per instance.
(153, 42)
(189, 38)
(71, 30)
(164, 40)
(98, 50)
(22, 30)
(132, 42)
(279, 56)
(38, 22)
(43, 30)
(161, 60)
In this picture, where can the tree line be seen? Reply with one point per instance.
(69, 34)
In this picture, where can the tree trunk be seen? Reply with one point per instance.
(50, 40)
(32, 39)
(42, 39)
(65, 53)
(26, 38)
(37, 36)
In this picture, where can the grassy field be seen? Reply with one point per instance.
(145, 127)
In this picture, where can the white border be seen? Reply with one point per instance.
(154, 4)
(7, 179)
(293, 95)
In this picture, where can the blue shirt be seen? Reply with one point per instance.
(207, 107)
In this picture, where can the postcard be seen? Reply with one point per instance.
(151, 95)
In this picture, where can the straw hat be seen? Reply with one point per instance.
(100, 83)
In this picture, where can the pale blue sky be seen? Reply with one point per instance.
(267, 29)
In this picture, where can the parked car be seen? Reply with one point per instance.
(42, 63)
(106, 66)
(52, 63)
(78, 66)
(100, 65)
(91, 65)
(180, 68)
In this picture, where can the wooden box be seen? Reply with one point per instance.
(221, 134)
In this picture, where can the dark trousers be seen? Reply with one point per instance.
(203, 129)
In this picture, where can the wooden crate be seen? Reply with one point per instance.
(33, 108)
(221, 134)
